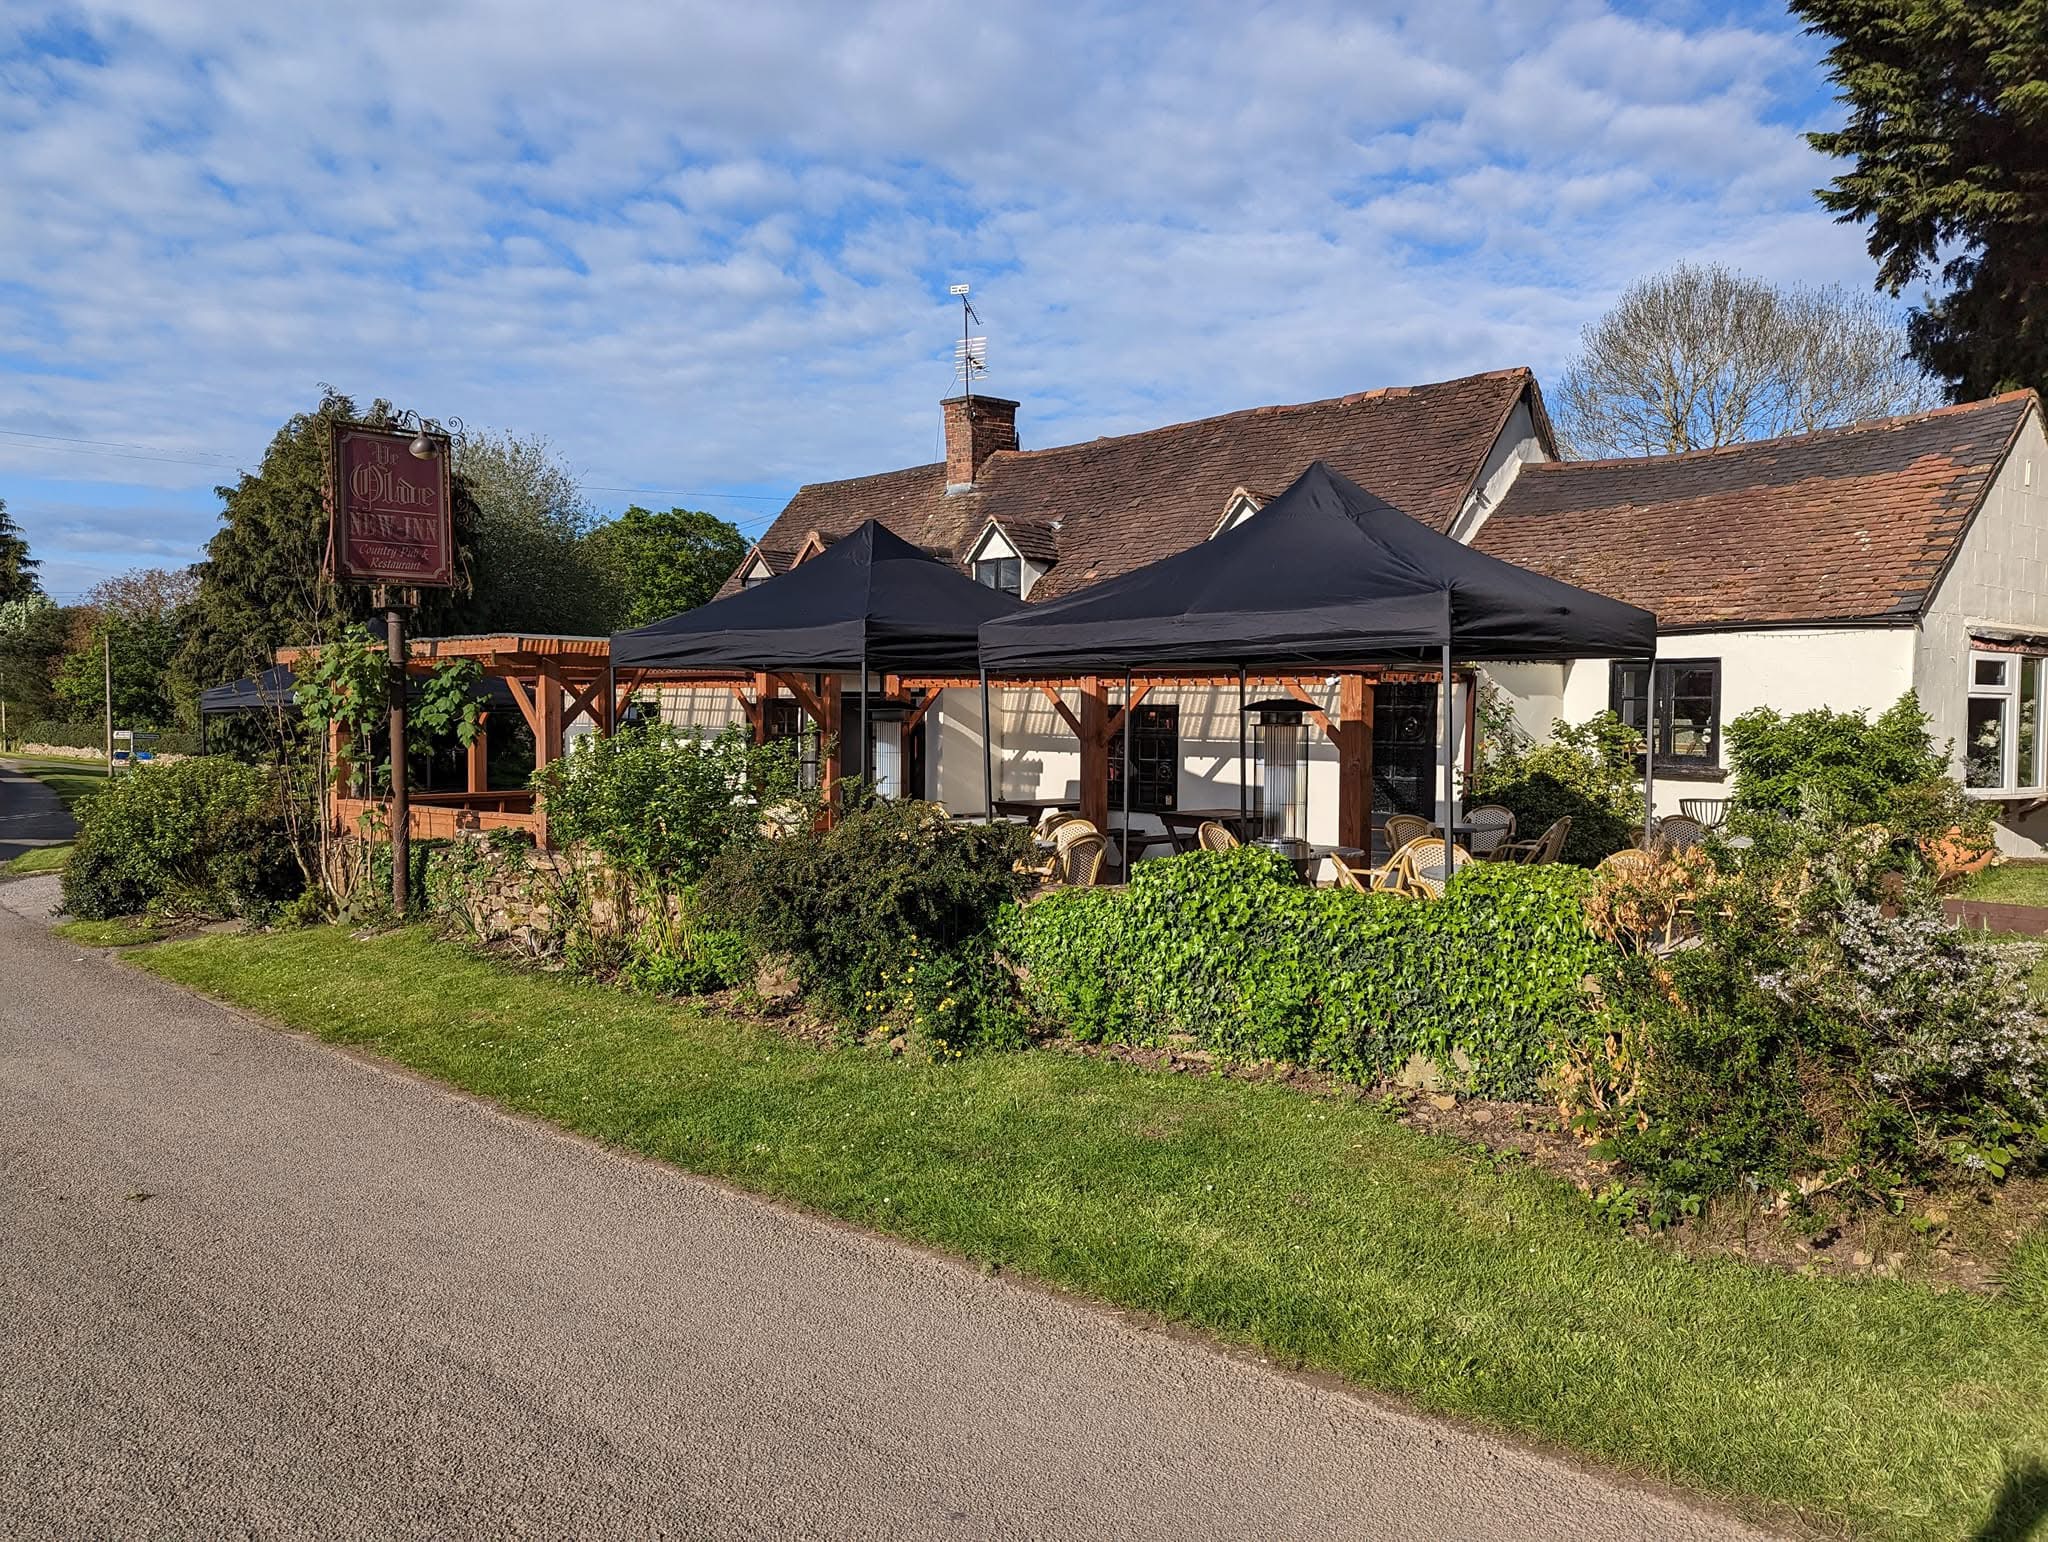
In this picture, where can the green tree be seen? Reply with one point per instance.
(534, 567)
(667, 563)
(17, 567)
(141, 617)
(32, 636)
(1948, 133)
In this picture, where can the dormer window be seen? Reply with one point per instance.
(1240, 506)
(755, 576)
(1004, 573)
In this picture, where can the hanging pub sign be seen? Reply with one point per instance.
(390, 510)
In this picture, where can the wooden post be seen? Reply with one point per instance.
(480, 755)
(757, 713)
(547, 691)
(1094, 736)
(401, 770)
(830, 704)
(1354, 762)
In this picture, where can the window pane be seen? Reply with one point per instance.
(1629, 693)
(1984, 742)
(1989, 672)
(2027, 738)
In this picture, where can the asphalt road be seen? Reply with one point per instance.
(251, 1286)
(30, 815)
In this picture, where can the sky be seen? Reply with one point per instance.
(704, 247)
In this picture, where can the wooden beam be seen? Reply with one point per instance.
(1116, 718)
(917, 714)
(1051, 694)
(814, 709)
(1316, 714)
(1354, 762)
(1091, 730)
(479, 757)
(584, 701)
(524, 701)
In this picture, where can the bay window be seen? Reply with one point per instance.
(2002, 739)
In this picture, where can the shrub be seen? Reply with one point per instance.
(660, 804)
(1823, 1025)
(204, 837)
(1590, 772)
(890, 894)
(1848, 769)
(1227, 948)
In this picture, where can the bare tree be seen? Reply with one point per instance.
(1698, 357)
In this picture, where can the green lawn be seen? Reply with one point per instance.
(1323, 1233)
(2011, 883)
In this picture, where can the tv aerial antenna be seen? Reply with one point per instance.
(970, 354)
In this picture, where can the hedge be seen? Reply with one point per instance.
(93, 736)
(1227, 948)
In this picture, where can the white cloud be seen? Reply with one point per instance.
(705, 246)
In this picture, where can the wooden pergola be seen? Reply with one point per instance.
(553, 681)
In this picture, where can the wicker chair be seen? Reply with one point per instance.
(1492, 826)
(1547, 847)
(1403, 828)
(1216, 836)
(1622, 863)
(1679, 833)
(1077, 860)
(1369, 880)
(1420, 867)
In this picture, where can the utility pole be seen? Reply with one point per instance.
(107, 667)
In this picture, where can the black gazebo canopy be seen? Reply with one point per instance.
(870, 600)
(1325, 576)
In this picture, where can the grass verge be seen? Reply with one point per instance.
(1323, 1233)
(40, 859)
(2010, 883)
(121, 932)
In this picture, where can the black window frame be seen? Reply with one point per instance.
(1619, 699)
(1155, 760)
(997, 565)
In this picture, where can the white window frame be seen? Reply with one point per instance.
(2014, 780)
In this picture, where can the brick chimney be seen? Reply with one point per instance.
(976, 427)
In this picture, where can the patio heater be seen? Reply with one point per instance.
(1279, 768)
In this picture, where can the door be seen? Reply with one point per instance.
(1405, 768)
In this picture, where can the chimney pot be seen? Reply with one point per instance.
(976, 427)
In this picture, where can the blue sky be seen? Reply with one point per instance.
(704, 247)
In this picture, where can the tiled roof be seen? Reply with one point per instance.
(1848, 524)
(1110, 505)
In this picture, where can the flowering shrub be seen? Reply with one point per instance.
(1804, 1017)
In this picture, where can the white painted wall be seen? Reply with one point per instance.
(1998, 581)
(1845, 669)
(1516, 447)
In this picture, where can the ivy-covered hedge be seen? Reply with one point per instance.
(1227, 948)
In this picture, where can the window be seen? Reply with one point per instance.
(1004, 573)
(782, 720)
(2002, 739)
(1155, 761)
(1687, 731)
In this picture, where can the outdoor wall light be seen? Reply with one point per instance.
(430, 429)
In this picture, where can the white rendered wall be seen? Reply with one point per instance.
(1845, 669)
(1998, 580)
